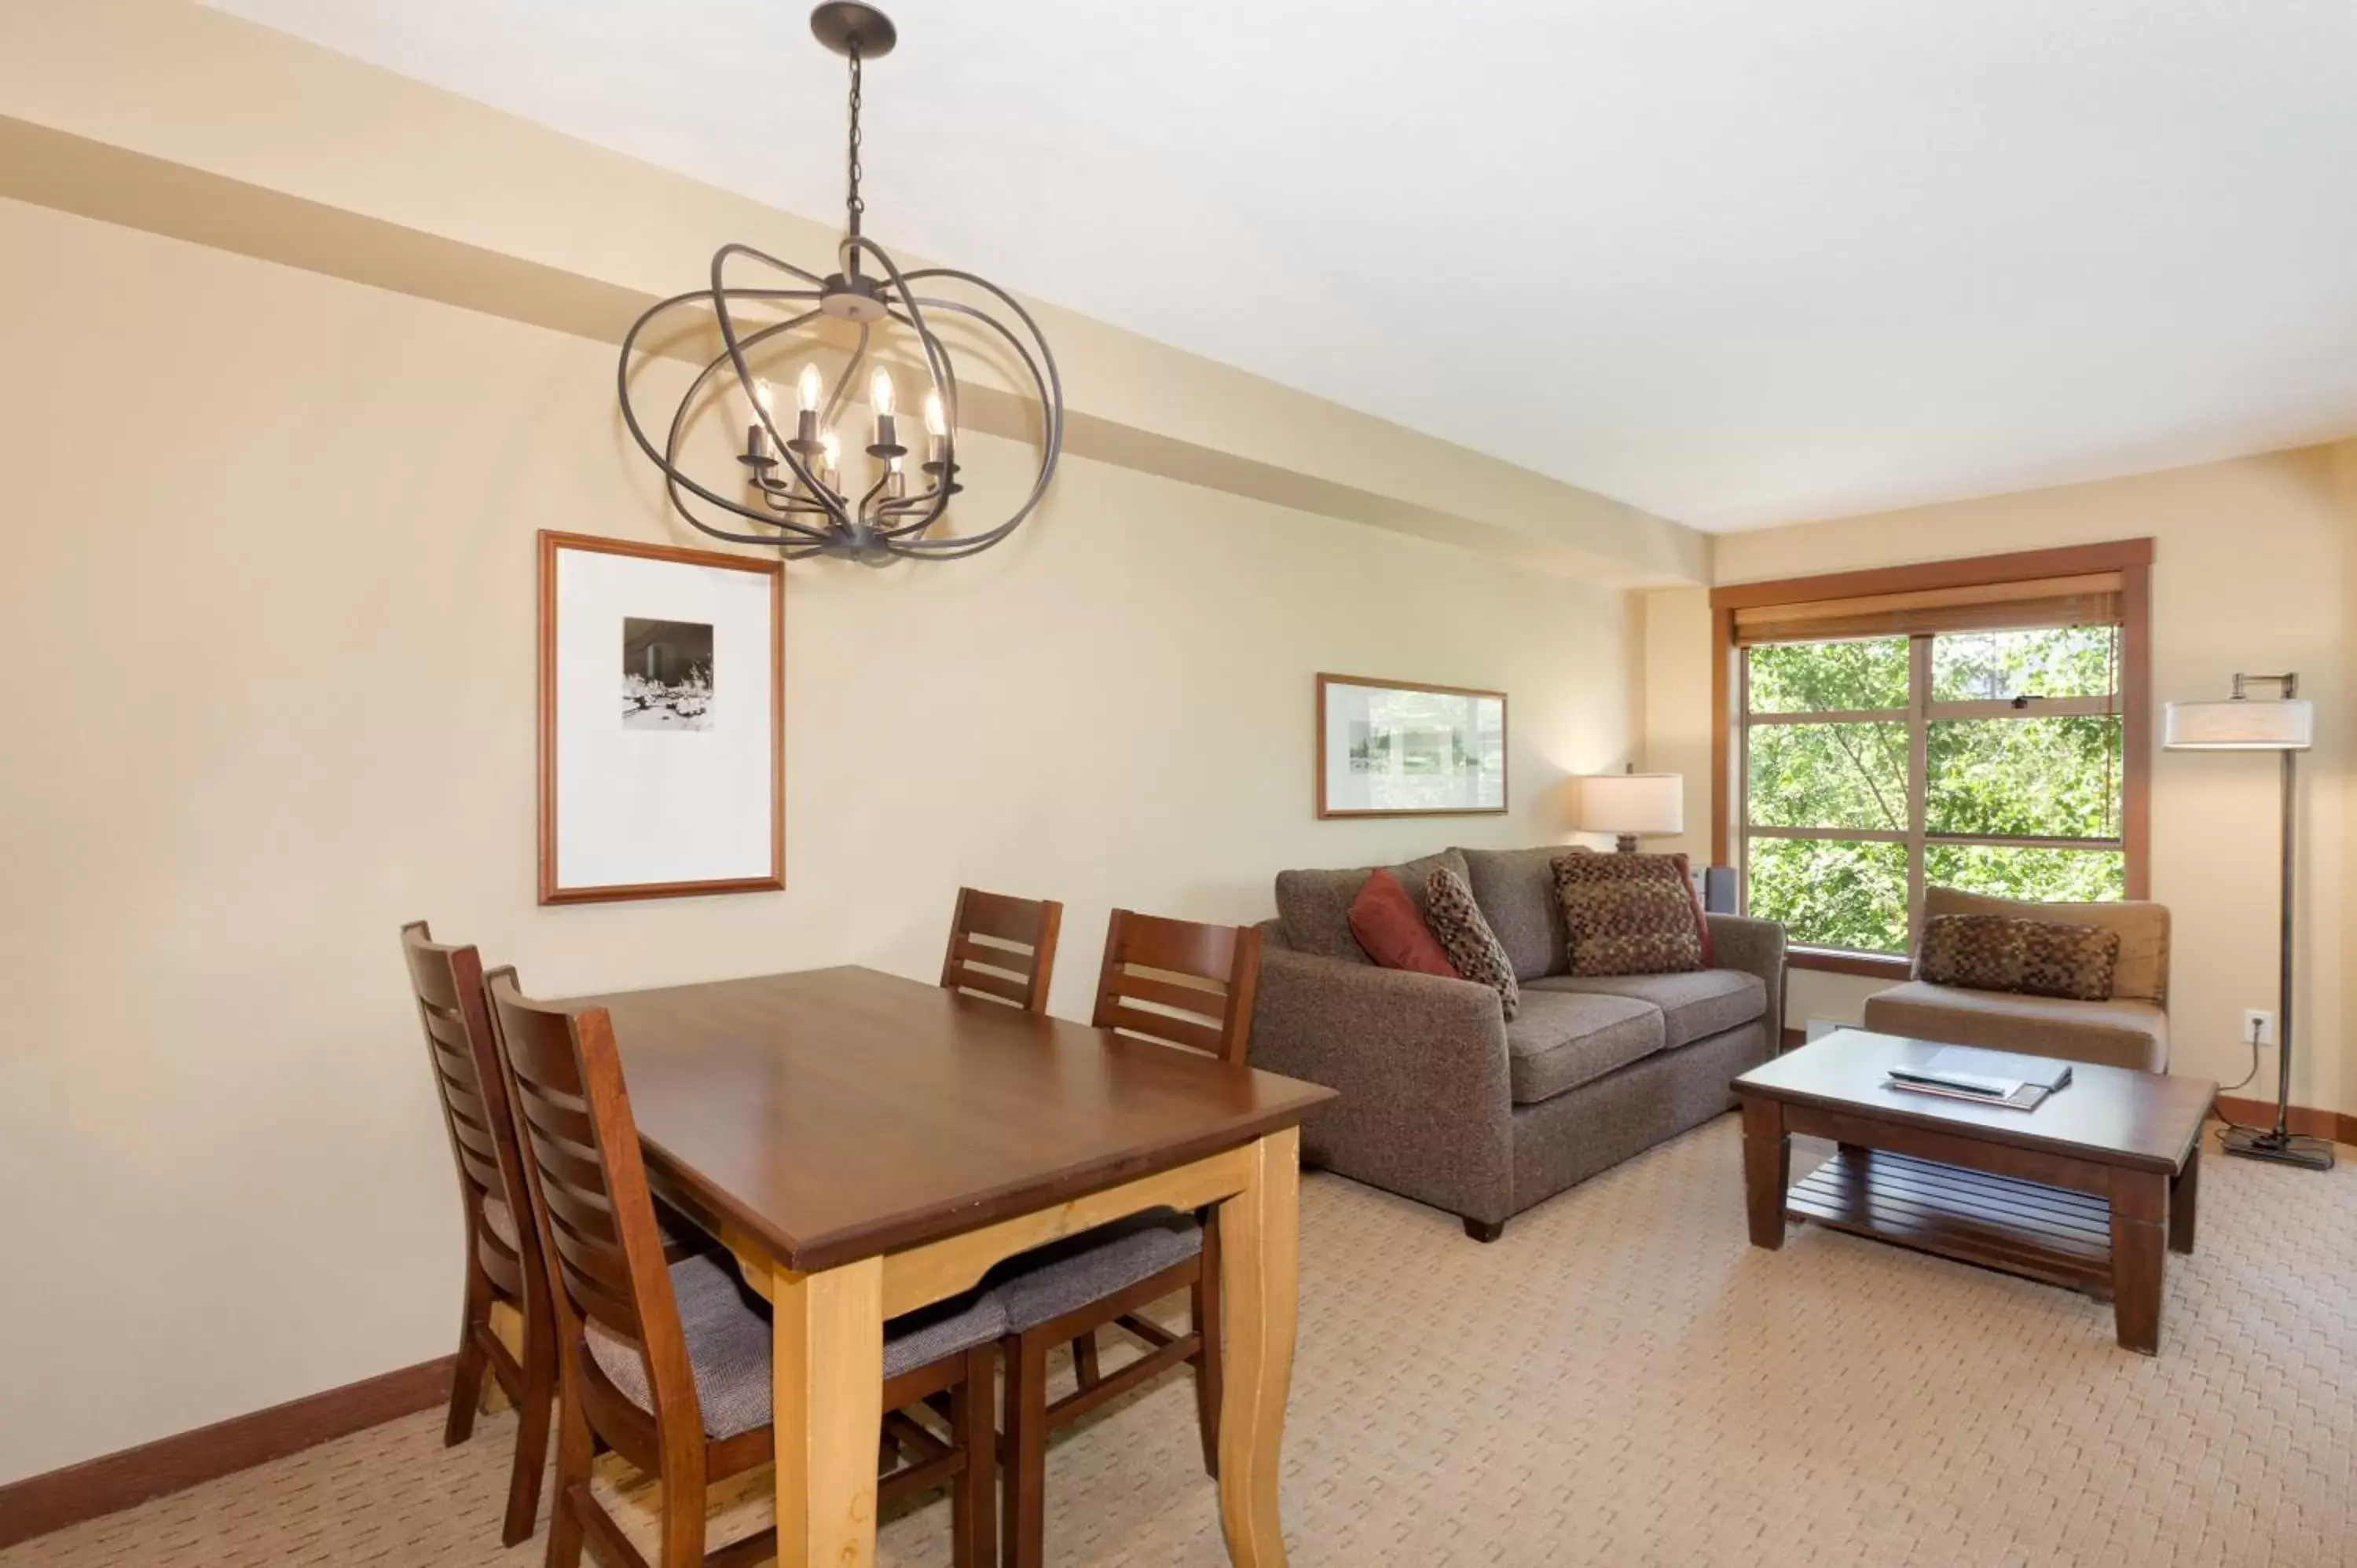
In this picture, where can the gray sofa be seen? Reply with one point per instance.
(1445, 1101)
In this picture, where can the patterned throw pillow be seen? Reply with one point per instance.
(1465, 936)
(1629, 914)
(2076, 961)
(2030, 958)
(1980, 952)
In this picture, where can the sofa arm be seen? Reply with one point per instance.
(1420, 1062)
(1754, 946)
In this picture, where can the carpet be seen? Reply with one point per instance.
(1621, 1379)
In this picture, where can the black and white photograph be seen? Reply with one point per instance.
(666, 674)
(700, 639)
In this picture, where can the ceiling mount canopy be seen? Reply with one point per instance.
(796, 491)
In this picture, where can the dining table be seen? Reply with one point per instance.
(866, 1144)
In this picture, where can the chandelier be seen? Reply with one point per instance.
(796, 487)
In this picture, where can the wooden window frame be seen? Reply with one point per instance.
(2131, 559)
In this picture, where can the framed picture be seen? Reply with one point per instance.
(662, 721)
(1389, 749)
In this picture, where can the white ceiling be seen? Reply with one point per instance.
(1735, 263)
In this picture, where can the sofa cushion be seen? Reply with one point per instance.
(1515, 888)
(2122, 1032)
(1315, 906)
(1390, 928)
(1629, 914)
(2142, 972)
(1467, 939)
(1694, 1004)
(1562, 1039)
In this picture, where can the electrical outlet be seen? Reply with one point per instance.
(2261, 1020)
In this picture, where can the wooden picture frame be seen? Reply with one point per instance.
(1338, 795)
(704, 805)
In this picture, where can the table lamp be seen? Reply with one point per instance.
(1632, 804)
(2285, 725)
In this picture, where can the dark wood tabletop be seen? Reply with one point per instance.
(838, 1113)
(2145, 1120)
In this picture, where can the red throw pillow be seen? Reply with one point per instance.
(1389, 928)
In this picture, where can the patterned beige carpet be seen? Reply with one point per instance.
(1620, 1380)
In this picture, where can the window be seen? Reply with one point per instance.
(1973, 734)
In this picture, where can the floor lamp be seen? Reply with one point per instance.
(2286, 725)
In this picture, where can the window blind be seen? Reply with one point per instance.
(2090, 599)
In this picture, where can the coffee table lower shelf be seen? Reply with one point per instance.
(2046, 1233)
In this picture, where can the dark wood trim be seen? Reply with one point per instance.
(1793, 1037)
(40, 1504)
(2337, 1125)
(1969, 571)
(1865, 965)
(545, 636)
(1505, 744)
(1723, 792)
(2136, 724)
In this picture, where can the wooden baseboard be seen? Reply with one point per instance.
(40, 1504)
(2337, 1125)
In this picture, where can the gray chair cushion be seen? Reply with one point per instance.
(1515, 888)
(1315, 906)
(727, 1331)
(1069, 1275)
(1694, 1004)
(1560, 1040)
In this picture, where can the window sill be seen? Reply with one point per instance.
(1866, 966)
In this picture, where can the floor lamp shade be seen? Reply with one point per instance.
(2240, 724)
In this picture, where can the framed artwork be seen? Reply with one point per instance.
(662, 721)
(1389, 749)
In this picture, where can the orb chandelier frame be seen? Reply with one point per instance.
(795, 487)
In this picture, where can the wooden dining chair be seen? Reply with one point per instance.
(502, 1266)
(671, 1367)
(1002, 947)
(1178, 983)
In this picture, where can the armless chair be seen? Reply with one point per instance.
(1176, 983)
(501, 1265)
(1002, 947)
(671, 1367)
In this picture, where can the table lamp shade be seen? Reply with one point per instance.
(2240, 724)
(1630, 803)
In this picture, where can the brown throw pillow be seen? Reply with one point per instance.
(1980, 952)
(1465, 936)
(2075, 961)
(1629, 914)
(2030, 958)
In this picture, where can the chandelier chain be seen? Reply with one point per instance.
(854, 205)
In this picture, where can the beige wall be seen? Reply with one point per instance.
(270, 590)
(2253, 572)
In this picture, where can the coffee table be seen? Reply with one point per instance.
(2086, 1192)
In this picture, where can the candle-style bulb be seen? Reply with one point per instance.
(761, 400)
(937, 422)
(808, 387)
(879, 392)
(831, 451)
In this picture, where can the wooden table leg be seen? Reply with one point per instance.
(2140, 1234)
(2184, 1194)
(1767, 1169)
(829, 1375)
(1260, 1248)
